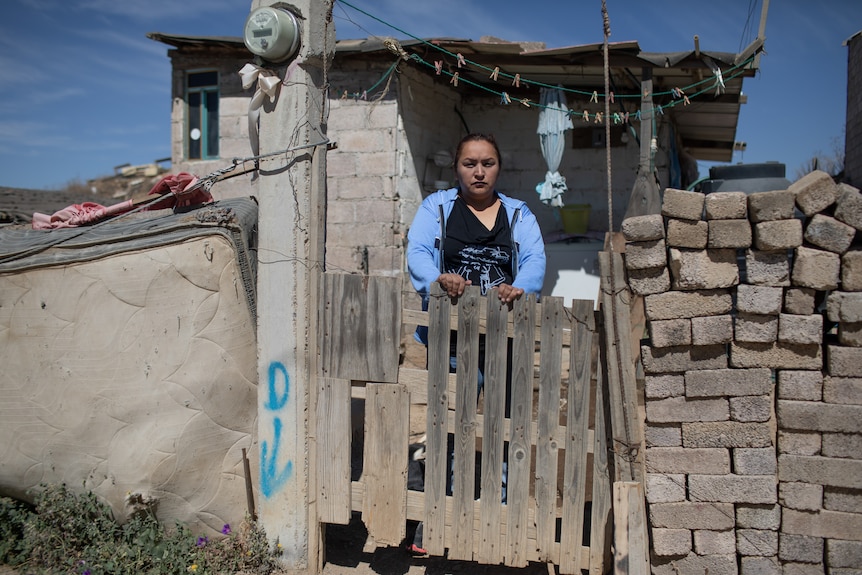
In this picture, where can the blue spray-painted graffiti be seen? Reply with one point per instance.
(271, 478)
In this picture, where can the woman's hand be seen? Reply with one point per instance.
(508, 293)
(453, 284)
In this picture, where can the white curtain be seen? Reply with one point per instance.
(554, 120)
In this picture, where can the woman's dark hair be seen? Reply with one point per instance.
(477, 137)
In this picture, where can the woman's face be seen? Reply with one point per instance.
(477, 168)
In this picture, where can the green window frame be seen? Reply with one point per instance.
(202, 115)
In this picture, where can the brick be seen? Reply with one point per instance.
(802, 385)
(751, 408)
(673, 305)
(645, 255)
(681, 409)
(800, 329)
(692, 515)
(757, 542)
(726, 434)
(671, 542)
(826, 524)
(649, 281)
(800, 495)
(708, 542)
(851, 270)
(643, 228)
(846, 473)
(764, 300)
(848, 445)
(670, 332)
(838, 499)
(662, 488)
(769, 206)
(814, 192)
(845, 390)
(687, 233)
(749, 327)
(770, 268)
(778, 235)
(703, 269)
(844, 361)
(830, 234)
(815, 269)
(733, 488)
(711, 330)
(749, 565)
(799, 301)
(800, 549)
(850, 333)
(803, 569)
(728, 382)
(799, 443)
(758, 516)
(844, 554)
(682, 204)
(849, 207)
(775, 355)
(817, 416)
(726, 206)
(665, 385)
(663, 435)
(696, 565)
(844, 306)
(683, 358)
(755, 461)
(706, 461)
(729, 234)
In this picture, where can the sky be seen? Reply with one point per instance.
(82, 89)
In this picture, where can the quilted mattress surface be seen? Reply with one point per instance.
(128, 362)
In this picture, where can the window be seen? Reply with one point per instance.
(202, 115)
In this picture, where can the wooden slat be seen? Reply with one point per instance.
(493, 431)
(464, 465)
(631, 547)
(333, 450)
(435, 446)
(600, 521)
(547, 444)
(519, 447)
(384, 470)
(362, 327)
(577, 424)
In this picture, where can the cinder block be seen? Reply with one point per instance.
(664, 385)
(799, 301)
(814, 192)
(758, 516)
(728, 382)
(847, 500)
(802, 385)
(757, 542)
(649, 281)
(844, 306)
(726, 206)
(850, 334)
(687, 233)
(665, 488)
(844, 361)
(749, 565)
(851, 270)
(803, 569)
(819, 416)
(671, 542)
(767, 268)
(849, 208)
(800, 329)
(843, 390)
(826, 524)
(708, 542)
(729, 234)
(829, 234)
(769, 206)
(646, 255)
(816, 269)
(682, 204)
(670, 332)
(680, 409)
(798, 442)
(763, 300)
(663, 435)
(775, 355)
(800, 495)
(778, 235)
(673, 305)
(710, 330)
(844, 554)
(643, 228)
(751, 408)
(733, 488)
(755, 461)
(800, 548)
(692, 515)
(703, 269)
(726, 434)
(748, 327)
(829, 471)
(706, 461)
(684, 358)
(848, 445)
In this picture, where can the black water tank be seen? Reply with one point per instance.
(748, 178)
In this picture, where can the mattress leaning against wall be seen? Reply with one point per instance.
(128, 361)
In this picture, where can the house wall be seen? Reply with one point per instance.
(853, 129)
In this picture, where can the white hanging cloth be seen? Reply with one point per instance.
(554, 120)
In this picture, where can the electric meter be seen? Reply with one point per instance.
(271, 33)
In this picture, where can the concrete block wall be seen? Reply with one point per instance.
(753, 378)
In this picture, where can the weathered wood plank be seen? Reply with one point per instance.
(384, 470)
(631, 546)
(518, 489)
(600, 521)
(577, 437)
(362, 327)
(436, 426)
(333, 450)
(493, 431)
(547, 445)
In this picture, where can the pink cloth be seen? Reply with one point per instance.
(174, 187)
